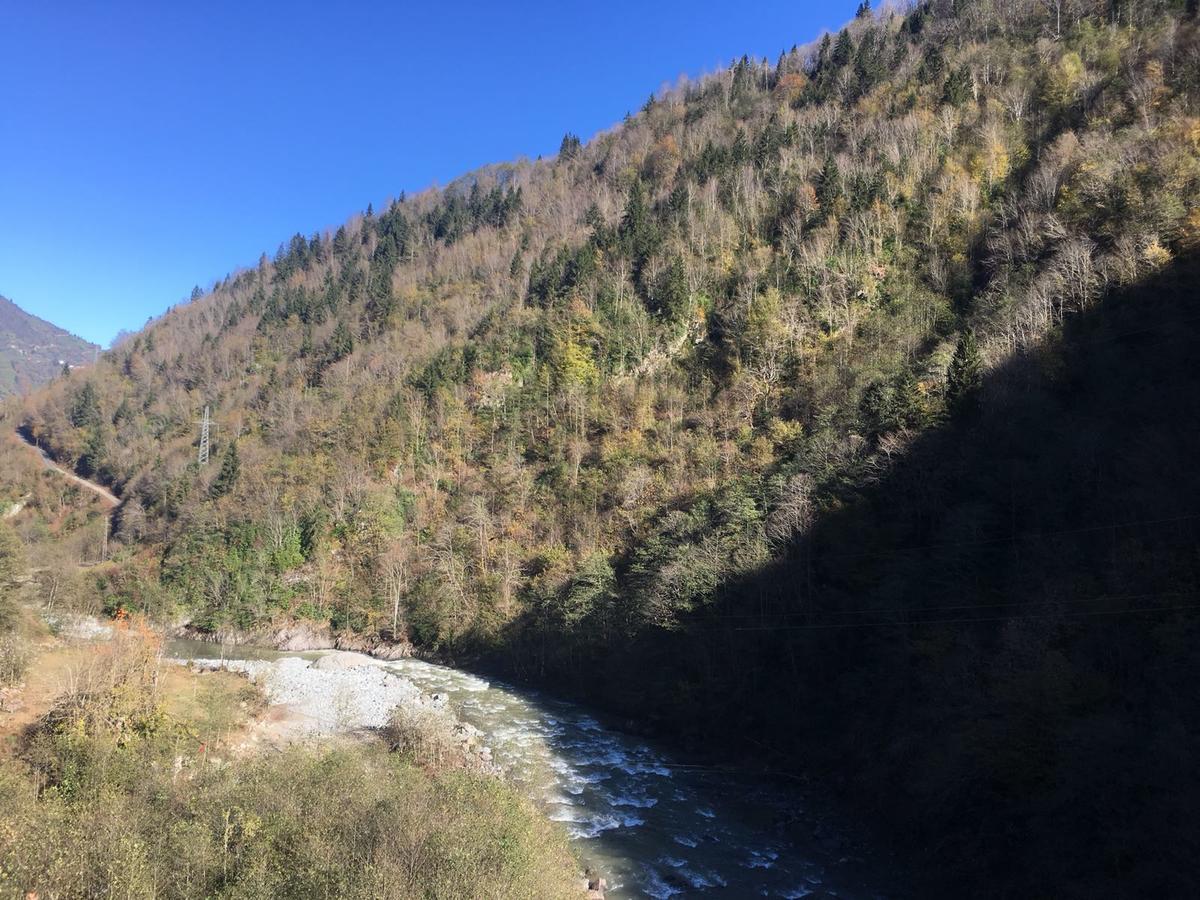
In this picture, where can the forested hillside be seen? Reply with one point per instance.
(833, 409)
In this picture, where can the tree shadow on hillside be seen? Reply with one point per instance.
(994, 642)
(990, 649)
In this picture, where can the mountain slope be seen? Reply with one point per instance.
(603, 419)
(33, 351)
(991, 644)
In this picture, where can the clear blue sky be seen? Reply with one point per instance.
(145, 148)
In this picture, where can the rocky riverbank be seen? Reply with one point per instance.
(298, 636)
(344, 692)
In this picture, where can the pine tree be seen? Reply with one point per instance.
(910, 404)
(863, 11)
(829, 189)
(634, 219)
(85, 408)
(228, 475)
(843, 50)
(932, 66)
(964, 374)
(671, 295)
(823, 51)
(958, 87)
(341, 343)
(914, 23)
(94, 453)
(638, 232)
(740, 151)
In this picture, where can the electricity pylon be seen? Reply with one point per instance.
(205, 423)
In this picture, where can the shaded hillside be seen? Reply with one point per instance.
(33, 351)
(990, 645)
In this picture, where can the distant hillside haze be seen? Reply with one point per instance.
(32, 350)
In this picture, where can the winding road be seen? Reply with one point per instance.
(111, 499)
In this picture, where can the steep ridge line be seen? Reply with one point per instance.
(102, 492)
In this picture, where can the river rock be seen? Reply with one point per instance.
(391, 650)
(293, 636)
(596, 886)
(301, 636)
(337, 661)
(467, 735)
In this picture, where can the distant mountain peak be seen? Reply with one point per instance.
(33, 351)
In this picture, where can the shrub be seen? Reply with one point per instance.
(430, 737)
(16, 654)
(350, 822)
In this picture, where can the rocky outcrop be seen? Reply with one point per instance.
(373, 646)
(298, 637)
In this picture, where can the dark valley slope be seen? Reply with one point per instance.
(991, 644)
(832, 411)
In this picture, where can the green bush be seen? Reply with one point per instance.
(350, 822)
(16, 653)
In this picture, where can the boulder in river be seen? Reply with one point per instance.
(596, 886)
(391, 650)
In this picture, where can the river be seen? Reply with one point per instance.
(650, 826)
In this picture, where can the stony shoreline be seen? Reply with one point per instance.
(343, 692)
(298, 636)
